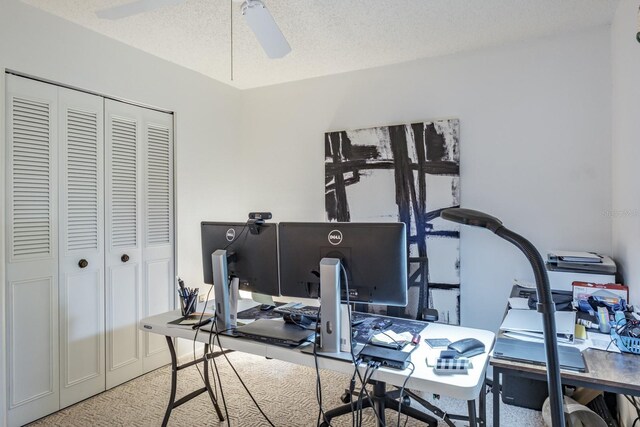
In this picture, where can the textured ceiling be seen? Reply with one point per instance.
(330, 36)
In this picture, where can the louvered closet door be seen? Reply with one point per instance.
(82, 348)
(157, 253)
(124, 130)
(31, 248)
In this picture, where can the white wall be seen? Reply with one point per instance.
(625, 108)
(207, 114)
(535, 146)
(626, 145)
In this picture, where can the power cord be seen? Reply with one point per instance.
(217, 336)
(195, 337)
(215, 366)
(353, 357)
(413, 368)
(371, 368)
(636, 406)
(318, 380)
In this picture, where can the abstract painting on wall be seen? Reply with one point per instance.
(408, 173)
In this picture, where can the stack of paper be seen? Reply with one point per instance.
(391, 339)
(527, 325)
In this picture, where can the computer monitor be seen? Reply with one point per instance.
(374, 256)
(252, 258)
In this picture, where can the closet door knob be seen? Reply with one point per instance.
(83, 263)
(124, 258)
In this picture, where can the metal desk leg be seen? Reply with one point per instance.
(473, 421)
(495, 390)
(174, 381)
(482, 420)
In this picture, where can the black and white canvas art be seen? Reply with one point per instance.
(408, 173)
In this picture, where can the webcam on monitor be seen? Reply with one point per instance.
(256, 219)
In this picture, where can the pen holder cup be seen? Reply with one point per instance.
(188, 306)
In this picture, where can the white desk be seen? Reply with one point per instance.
(459, 386)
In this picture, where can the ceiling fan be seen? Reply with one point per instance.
(256, 14)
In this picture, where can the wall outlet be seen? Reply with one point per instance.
(202, 298)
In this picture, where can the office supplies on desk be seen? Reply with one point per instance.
(391, 339)
(533, 352)
(467, 347)
(529, 323)
(190, 320)
(448, 354)
(188, 298)
(519, 303)
(611, 293)
(581, 332)
(365, 325)
(603, 320)
(437, 342)
(415, 340)
(452, 366)
(626, 336)
(390, 358)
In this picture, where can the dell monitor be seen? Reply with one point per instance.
(252, 258)
(374, 256)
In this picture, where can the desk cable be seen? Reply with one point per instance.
(353, 357)
(413, 368)
(217, 375)
(371, 368)
(217, 336)
(318, 380)
(195, 338)
(636, 406)
(358, 411)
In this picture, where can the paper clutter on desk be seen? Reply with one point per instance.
(519, 303)
(391, 339)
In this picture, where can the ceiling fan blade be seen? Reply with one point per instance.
(134, 8)
(265, 28)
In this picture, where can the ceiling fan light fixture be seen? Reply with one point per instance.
(265, 28)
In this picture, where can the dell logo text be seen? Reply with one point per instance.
(231, 234)
(335, 237)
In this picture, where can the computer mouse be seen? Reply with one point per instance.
(267, 307)
(467, 347)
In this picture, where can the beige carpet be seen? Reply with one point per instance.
(286, 392)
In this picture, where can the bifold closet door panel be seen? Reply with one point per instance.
(82, 330)
(157, 253)
(124, 132)
(31, 248)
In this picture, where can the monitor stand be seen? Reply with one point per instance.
(225, 297)
(332, 316)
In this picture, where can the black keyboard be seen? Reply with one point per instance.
(298, 309)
